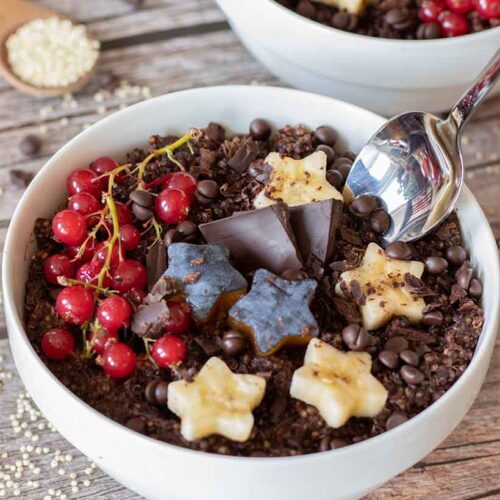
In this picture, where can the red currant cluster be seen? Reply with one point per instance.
(101, 283)
(450, 14)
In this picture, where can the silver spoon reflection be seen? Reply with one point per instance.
(414, 166)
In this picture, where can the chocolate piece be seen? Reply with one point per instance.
(363, 205)
(409, 357)
(142, 198)
(456, 255)
(475, 288)
(389, 359)
(464, 275)
(275, 312)
(356, 337)
(397, 418)
(436, 265)
(396, 344)
(234, 343)
(206, 192)
(171, 236)
(215, 132)
(156, 263)
(411, 375)
(329, 152)
(314, 226)
(149, 319)
(325, 135)
(142, 213)
(258, 238)
(380, 221)
(245, 154)
(260, 130)
(398, 250)
(433, 318)
(217, 285)
(335, 178)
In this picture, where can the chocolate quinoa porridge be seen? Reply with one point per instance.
(232, 315)
(402, 19)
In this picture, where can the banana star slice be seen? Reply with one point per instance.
(352, 6)
(339, 384)
(296, 182)
(218, 401)
(380, 281)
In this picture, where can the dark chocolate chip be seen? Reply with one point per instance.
(411, 375)
(30, 145)
(341, 20)
(380, 221)
(356, 337)
(363, 205)
(215, 132)
(149, 392)
(137, 424)
(464, 275)
(306, 8)
(208, 189)
(389, 359)
(336, 443)
(396, 344)
(428, 31)
(335, 178)
(436, 265)
(293, 275)
(325, 135)
(161, 393)
(433, 318)
(475, 288)
(343, 165)
(260, 130)
(398, 250)
(397, 418)
(234, 343)
(142, 213)
(329, 151)
(142, 198)
(456, 255)
(171, 236)
(187, 229)
(399, 18)
(409, 357)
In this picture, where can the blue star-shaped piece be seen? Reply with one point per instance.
(275, 312)
(208, 281)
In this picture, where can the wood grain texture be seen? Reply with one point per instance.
(169, 45)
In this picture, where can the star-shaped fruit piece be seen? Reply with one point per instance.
(296, 182)
(217, 401)
(339, 384)
(379, 287)
(209, 284)
(275, 313)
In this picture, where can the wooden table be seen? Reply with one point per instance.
(166, 45)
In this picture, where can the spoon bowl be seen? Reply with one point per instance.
(13, 14)
(413, 164)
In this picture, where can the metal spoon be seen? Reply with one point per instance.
(414, 166)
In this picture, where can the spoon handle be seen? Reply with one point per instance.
(476, 93)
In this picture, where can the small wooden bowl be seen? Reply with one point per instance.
(13, 14)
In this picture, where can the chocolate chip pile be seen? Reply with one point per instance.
(415, 363)
(404, 19)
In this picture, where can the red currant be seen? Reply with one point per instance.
(460, 6)
(114, 312)
(124, 214)
(429, 11)
(182, 181)
(85, 204)
(88, 274)
(58, 265)
(75, 304)
(101, 252)
(490, 9)
(168, 350)
(118, 360)
(172, 206)
(69, 227)
(129, 274)
(130, 237)
(83, 180)
(102, 166)
(57, 343)
(453, 24)
(88, 251)
(179, 317)
(136, 296)
(101, 337)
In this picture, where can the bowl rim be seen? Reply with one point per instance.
(16, 327)
(437, 43)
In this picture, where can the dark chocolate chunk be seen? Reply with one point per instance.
(187, 230)
(215, 132)
(432, 318)
(436, 265)
(409, 357)
(315, 226)
(475, 288)
(150, 319)
(260, 238)
(217, 285)
(206, 191)
(171, 236)
(156, 263)
(142, 213)
(464, 275)
(456, 255)
(275, 312)
(335, 178)
(142, 198)
(245, 154)
(396, 344)
(356, 337)
(389, 359)
(260, 130)
(380, 221)
(325, 135)
(428, 31)
(363, 205)
(411, 375)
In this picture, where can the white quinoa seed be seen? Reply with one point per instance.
(51, 52)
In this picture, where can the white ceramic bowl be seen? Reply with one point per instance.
(161, 471)
(386, 76)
